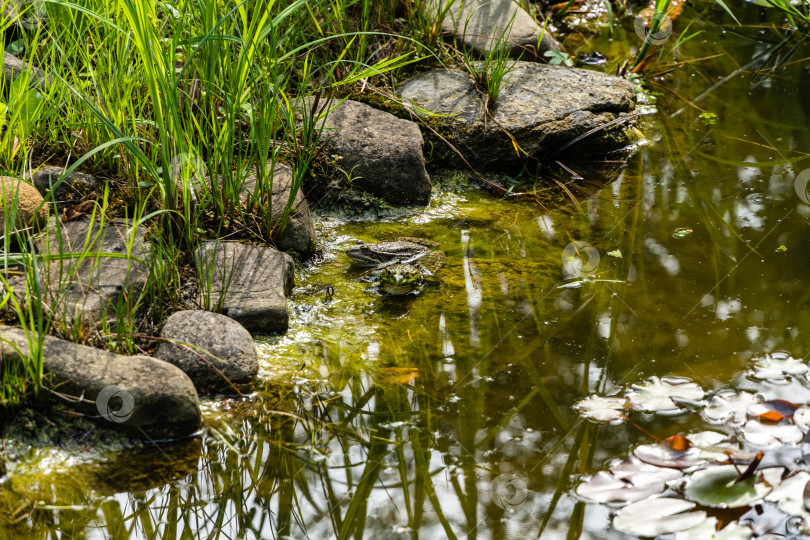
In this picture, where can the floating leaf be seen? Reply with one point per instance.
(729, 407)
(603, 409)
(771, 435)
(603, 487)
(712, 445)
(660, 395)
(790, 494)
(774, 410)
(751, 469)
(772, 475)
(802, 418)
(653, 517)
(679, 443)
(636, 471)
(778, 367)
(708, 531)
(629, 481)
(706, 438)
(718, 486)
(781, 458)
(766, 518)
(663, 455)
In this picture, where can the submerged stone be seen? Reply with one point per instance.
(247, 283)
(142, 396)
(540, 108)
(221, 351)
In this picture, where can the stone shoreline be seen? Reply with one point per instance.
(539, 110)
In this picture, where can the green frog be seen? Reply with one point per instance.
(396, 265)
(404, 250)
(405, 278)
(401, 278)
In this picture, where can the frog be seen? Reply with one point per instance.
(402, 266)
(404, 278)
(400, 279)
(379, 255)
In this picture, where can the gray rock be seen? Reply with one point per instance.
(13, 67)
(247, 283)
(298, 233)
(145, 397)
(543, 107)
(74, 185)
(381, 153)
(485, 25)
(84, 291)
(222, 352)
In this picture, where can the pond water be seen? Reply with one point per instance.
(451, 413)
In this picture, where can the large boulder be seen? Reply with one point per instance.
(214, 350)
(540, 108)
(30, 212)
(72, 186)
(380, 153)
(247, 283)
(143, 396)
(108, 279)
(297, 233)
(487, 25)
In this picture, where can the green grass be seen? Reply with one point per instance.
(140, 89)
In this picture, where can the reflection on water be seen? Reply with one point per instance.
(449, 415)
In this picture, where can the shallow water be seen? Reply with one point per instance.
(450, 413)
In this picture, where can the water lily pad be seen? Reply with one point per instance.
(713, 445)
(772, 475)
(663, 455)
(777, 368)
(729, 407)
(603, 409)
(791, 495)
(771, 435)
(653, 517)
(629, 481)
(802, 418)
(660, 395)
(638, 472)
(706, 438)
(784, 458)
(716, 486)
(774, 410)
(603, 487)
(708, 531)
